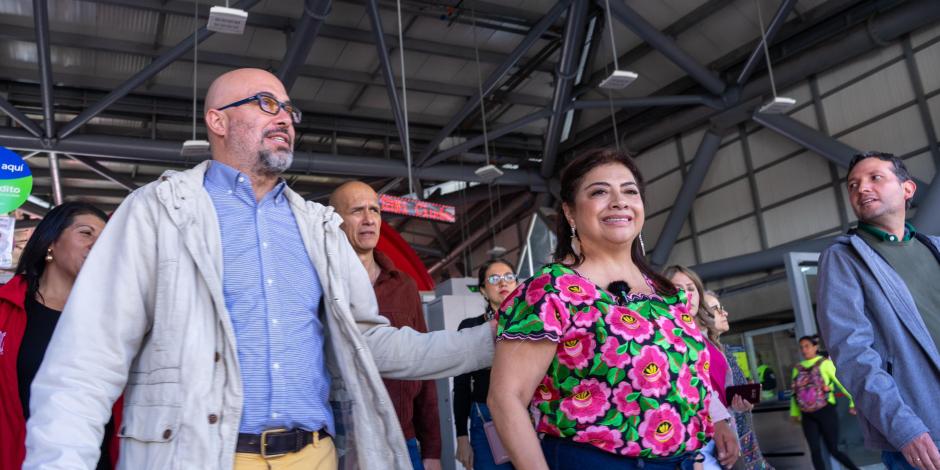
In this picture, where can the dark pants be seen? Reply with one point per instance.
(563, 454)
(823, 425)
(895, 461)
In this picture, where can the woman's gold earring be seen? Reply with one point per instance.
(575, 242)
(49, 255)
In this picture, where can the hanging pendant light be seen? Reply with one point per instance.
(227, 20)
(618, 79)
(195, 147)
(779, 104)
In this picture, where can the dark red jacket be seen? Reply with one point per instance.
(415, 401)
(12, 423)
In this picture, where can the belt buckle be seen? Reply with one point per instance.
(264, 443)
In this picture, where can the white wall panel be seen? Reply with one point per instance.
(868, 98)
(800, 218)
(661, 193)
(732, 200)
(791, 177)
(899, 133)
(849, 213)
(866, 63)
(921, 167)
(690, 142)
(652, 228)
(728, 164)
(933, 105)
(658, 160)
(925, 34)
(682, 253)
(928, 63)
(806, 115)
(767, 146)
(732, 240)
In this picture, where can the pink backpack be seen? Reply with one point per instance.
(808, 388)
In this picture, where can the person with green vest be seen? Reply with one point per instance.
(767, 378)
(813, 403)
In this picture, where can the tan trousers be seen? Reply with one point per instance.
(320, 455)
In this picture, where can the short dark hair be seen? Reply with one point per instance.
(32, 262)
(900, 170)
(813, 339)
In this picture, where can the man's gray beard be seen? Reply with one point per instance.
(274, 163)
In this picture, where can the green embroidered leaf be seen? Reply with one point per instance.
(695, 381)
(613, 419)
(647, 403)
(623, 348)
(602, 335)
(570, 383)
(563, 422)
(675, 361)
(561, 373)
(633, 396)
(633, 434)
(600, 367)
(634, 348)
(615, 375)
(645, 453)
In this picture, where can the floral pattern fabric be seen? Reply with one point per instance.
(629, 377)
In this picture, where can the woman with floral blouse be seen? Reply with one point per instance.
(601, 346)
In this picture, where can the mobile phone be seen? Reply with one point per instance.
(749, 392)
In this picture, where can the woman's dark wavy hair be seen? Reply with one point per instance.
(33, 259)
(571, 177)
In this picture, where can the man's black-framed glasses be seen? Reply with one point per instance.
(269, 104)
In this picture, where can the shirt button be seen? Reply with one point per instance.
(217, 357)
(277, 365)
(274, 320)
(241, 179)
(270, 282)
(213, 418)
(275, 415)
(230, 191)
(264, 244)
(167, 434)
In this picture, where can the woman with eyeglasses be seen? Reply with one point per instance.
(600, 346)
(497, 279)
(716, 322)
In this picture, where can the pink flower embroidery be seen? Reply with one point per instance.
(547, 427)
(705, 419)
(536, 289)
(554, 315)
(694, 427)
(686, 320)
(576, 290)
(627, 408)
(628, 324)
(588, 318)
(650, 372)
(610, 356)
(576, 349)
(686, 390)
(589, 400)
(662, 430)
(632, 449)
(546, 391)
(601, 437)
(702, 367)
(666, 325)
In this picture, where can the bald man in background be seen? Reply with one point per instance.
(399, 301)
(237, 316)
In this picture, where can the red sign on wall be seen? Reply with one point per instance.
(416, 208)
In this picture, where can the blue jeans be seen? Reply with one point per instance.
(895, 461)
(415, 453)
(563, 454)
(482, 456)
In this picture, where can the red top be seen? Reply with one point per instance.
(415, 401)
(12, 424)
(718, 370)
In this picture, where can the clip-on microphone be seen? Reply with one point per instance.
(620, 289)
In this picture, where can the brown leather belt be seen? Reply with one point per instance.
(277, 442)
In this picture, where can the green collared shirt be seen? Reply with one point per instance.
(883, 236)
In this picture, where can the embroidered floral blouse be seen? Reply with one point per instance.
(629, 377)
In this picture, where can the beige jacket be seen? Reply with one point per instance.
(147, 312)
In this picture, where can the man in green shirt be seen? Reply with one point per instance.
(879, 312)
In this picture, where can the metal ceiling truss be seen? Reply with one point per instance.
(315, 13)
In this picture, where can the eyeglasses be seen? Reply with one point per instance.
(718, 308)
(494, 279)
(269, 104)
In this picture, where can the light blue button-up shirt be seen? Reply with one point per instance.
(272, 293)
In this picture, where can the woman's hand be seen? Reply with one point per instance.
(740, 405)
(464, 452)
(727, 448)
